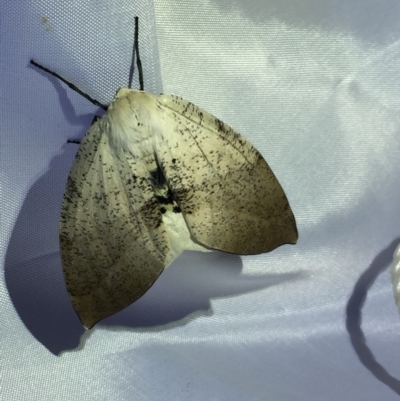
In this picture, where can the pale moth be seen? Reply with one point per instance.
(155, 176)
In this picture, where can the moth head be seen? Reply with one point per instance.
(126, 101)
(123, 92)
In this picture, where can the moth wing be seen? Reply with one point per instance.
(112, 239)
(229, 196)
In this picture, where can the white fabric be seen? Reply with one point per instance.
(315, 85)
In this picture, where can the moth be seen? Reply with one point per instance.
(157, 175)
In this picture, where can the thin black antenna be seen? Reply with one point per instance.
(132, 67)
(72, 86)
(138, 60)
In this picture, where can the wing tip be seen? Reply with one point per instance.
(87, 318)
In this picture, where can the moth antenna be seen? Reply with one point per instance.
(71, 85)
(135, 51)
(132, 67)
(138, 60)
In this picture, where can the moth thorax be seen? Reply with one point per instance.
(131, 126)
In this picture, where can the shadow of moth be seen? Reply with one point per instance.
(155, 176)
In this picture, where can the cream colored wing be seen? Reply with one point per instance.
(112, 237)
(228, 195)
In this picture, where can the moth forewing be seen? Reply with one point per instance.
(228, 194)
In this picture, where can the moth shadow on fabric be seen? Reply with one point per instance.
(354, 318)
(189, 285)
(37, 289)
(33, 271)
(35, 281)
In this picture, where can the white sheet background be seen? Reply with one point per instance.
(315, 86)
